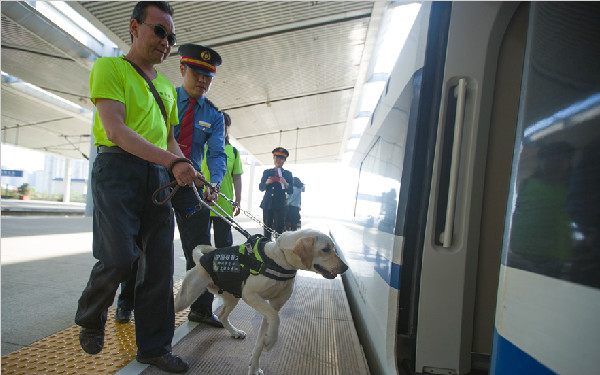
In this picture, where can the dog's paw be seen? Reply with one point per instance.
(258, 371)
(238, 334)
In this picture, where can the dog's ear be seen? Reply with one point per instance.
(304, 250)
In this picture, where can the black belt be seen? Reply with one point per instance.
(111, 150)
(119, 150)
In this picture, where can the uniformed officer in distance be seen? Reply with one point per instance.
(275, 182)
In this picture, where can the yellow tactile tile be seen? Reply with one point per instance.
(61, 353)
(31, 360)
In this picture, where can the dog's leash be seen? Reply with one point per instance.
(228, 219)
(201, 202)
(274, 233)
(173, 184)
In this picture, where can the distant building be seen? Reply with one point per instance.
(51, 179)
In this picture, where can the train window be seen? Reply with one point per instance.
(386, 166)
(553, 226)
(379, 183)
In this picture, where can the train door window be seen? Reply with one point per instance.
(377, 197)
(387, 164)
(554, 225)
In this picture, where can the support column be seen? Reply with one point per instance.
(89, 202)
(67, 181)
(250, 188)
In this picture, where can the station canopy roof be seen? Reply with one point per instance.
(291, 75)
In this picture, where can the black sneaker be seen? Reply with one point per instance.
(167, 362)
(210, 319)
(122, 316)
(91, 340)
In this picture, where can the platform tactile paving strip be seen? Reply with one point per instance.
(61, 354)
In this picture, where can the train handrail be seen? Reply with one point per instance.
(460, 92)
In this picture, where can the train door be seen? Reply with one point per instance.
(549, 293)
(462, 240)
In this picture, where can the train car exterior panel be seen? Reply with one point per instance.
(478, 87)
(536, 325)
(371, 241)
(369, 283)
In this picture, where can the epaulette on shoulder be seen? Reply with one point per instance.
(212, 105)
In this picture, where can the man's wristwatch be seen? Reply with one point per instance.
(216, 186)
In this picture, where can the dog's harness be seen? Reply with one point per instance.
(229, 267)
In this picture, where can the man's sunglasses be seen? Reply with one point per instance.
(162, 33)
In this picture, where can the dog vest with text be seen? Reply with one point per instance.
(229, 267)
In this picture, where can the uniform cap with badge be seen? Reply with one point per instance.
(280, 151)
(202, 59)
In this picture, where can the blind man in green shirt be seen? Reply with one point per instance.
(136, 152)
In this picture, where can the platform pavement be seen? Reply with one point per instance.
(46, 261)
(38, 207)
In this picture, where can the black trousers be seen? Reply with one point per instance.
(292, 217)
(221, 232)
(274, 219)
(128, 228)
(194, 230)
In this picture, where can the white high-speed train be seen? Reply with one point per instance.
(474, 238)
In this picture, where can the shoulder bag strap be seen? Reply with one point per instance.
(235, 155)
(159, 101)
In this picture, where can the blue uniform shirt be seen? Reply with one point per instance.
(209, 129)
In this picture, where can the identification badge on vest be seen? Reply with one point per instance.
(226, 263)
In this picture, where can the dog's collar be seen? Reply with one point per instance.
(268, 267)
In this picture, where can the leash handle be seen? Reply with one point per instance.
(172, 184)
(175, 185)
(201, 178)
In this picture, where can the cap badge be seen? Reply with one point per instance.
(205, 55)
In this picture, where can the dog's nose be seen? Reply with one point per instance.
(344, 268)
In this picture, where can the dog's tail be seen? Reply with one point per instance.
(199, 251)
(194, 284)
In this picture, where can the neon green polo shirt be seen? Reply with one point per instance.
(234, 166)
(114, 78)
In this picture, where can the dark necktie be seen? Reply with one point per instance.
(186, 133)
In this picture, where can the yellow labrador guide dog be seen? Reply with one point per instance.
(262, 273)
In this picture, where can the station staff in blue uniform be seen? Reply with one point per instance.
(200, 125)
(275, 182)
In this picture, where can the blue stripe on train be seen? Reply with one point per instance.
(508, 359)
(388, 270)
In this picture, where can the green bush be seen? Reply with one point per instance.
(25, 189)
